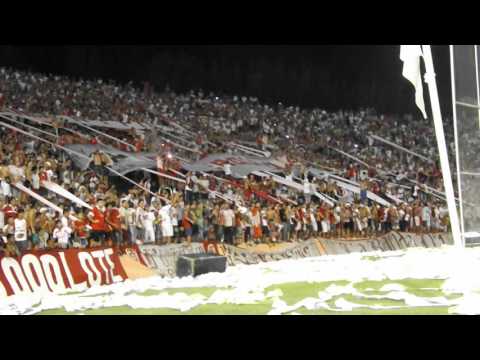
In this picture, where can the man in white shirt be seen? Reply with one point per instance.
(229, 191)
(124, 215)
(188, 189)
(6, 190)
(50, 174)
(195, 187)
(130, 218)
(35, 180)
(62, 233)
(227, 168)
(67, 177)
(307, 190)
(229, 223)
(2, 215)
(139, 220)
(166, 223)
(57, 232)
(204, 183)
(426, 217)
(148, 219)
(21, 232)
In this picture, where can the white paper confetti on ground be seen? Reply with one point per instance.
(246, 284)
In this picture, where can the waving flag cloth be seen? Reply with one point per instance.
(410, 55)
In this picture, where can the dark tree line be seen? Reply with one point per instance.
(331, 77)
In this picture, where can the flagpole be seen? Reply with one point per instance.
(455, 131)
(378, 138)
(442, 147)
(69, 119)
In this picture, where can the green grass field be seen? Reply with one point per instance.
(292, 293)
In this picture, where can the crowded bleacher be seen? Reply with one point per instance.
(333, 174)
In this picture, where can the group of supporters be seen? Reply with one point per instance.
(180, 213)
(137, 221)
(250, 211)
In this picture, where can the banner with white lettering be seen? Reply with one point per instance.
(58, 271)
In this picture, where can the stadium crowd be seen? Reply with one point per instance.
(186, 213)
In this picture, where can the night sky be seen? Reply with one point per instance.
(326, 76)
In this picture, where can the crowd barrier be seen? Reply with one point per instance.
(389, 242)
(163, 258)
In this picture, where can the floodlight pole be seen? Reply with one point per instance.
(442, 147)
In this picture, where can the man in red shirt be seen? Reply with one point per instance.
(97, 221)
(113, 223)
(139, 143)
(351, 173)
(9, 210)
(43, 175)
(122, 146)
(81, 230)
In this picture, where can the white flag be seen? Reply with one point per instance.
(410, 55)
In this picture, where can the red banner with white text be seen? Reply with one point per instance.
(56, 271)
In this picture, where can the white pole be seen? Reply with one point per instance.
(38, 121)
(260, 152)
(351, 157)
(163, 175)
(442, 147)
(375, 137)
(457, 154)
(97, 131)
(163, 131)
(28, 126)
(168, 141)
(478, 79)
